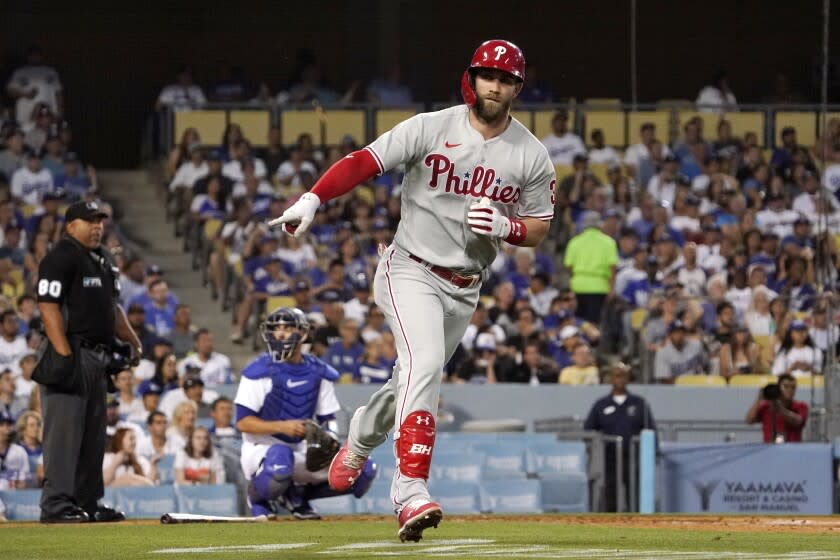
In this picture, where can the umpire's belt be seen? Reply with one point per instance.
(94, 347)
(458, 280)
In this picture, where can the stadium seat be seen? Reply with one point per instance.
(296, 122)
(599, 170)
(828, 116)
(710, 122)
(637, 318)
(525, 117)
(565, 492)
(210, 125)
(458, 466)
(386, 119)
(458, 498)
(612, 123)
(805, 124)
(751, 380)
(254, 124)
(275, 302)
(563, 171)
(378, 498)
(211, 228)
(818, 381)
(701, 381)
(560, 456)
(22, 505)
(660, 119)
(147, 501)
(343, 122)
(511, 496)
(339, 505)
(742, 123)
(207, 499)
(503, 461)
(603, 101)
(166, 469)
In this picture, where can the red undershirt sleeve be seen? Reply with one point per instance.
(345, 174)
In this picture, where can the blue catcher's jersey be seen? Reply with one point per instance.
(285, 391)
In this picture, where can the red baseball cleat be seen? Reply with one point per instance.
(345, 469)
(417, 516)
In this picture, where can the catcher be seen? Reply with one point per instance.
(285, 409)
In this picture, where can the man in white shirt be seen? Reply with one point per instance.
(30, 183)
(357, 308)
(561, 144)
(290, 171)
(636, 153)
(12, 346)
(192, 389)
(183, 95)
(600, 152)
(805, 203)
(214, 368)
(686, 218)
(190, 171)
(14, 467)
(776, 218)
(691, 276)
(32, 84)
(663, 185)
(831, 176)
(235, 168)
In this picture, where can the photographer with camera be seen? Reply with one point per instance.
(78, 296)
(782, 418)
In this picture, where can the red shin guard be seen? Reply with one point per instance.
(415, 444)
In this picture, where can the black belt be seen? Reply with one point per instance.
(95, 346)
(458, 280)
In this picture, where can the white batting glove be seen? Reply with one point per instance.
(298, 217)
(485, 219)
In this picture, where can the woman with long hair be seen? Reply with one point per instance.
(183, 424)
(121, 465)
(231, 135)
(180, 153)
(740, 355)
(797, 356)
(38, 249)
(28, 428)
(166, 373)
(198, 462)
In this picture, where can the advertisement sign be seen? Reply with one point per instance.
(746, 478)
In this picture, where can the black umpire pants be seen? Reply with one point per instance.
(74, 436)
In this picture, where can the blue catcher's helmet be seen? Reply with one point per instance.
(280, 350)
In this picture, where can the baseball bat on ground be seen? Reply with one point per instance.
(175, 518)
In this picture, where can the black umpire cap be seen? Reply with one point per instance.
(87, 211)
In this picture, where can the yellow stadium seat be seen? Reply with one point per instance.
(603, 101)
(742, 123)
(806, 381)
(210, 125)
(751, 380)
(486, 301)
(762, 340)
(563, 171)
(599, 170)
(295, 122)
(254, 124)
(345, 379)
(637, 318)
(239, 269)
(700, 381)
(612, 123)
(801, 315)
(767, 154)
(525, 117)
(710, 122)
(342, 122)
(660, 119)
(828, 116)
(386, 119)
(805, 124)
(275, 302)
(211, 228)
(16, 276)
(542, 122)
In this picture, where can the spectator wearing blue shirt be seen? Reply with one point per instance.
(72, 181)
(520, 277)
(800, 293)
(270, 280)
(801, 235)
(783, 155)
(159, 310)
(767, 257)
(345, 355)
(561, 348)
(624, 414)
(374, 367)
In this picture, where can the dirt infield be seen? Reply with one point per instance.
(828, 525)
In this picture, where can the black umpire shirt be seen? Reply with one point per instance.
(85, 283)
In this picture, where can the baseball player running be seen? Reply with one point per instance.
(284, 454)
(474, 177)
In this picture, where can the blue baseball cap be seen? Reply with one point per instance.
(798, 325)
(149, 387)
(676, 325)
(215, 155)
(330, 296)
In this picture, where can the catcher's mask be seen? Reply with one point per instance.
(282, 348)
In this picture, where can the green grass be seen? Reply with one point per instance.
(544, 537)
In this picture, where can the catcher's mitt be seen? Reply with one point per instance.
(321, 447)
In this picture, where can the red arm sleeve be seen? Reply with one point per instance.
(345, 174)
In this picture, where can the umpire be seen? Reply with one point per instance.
(78, 295)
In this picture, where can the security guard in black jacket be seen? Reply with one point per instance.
(78, 296)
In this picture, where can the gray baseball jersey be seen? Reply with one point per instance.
(450, 166)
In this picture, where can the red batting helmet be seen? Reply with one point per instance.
(498, 54)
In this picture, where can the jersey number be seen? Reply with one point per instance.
(46, 287)
(551, 187)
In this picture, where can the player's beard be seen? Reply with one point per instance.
(490, 113)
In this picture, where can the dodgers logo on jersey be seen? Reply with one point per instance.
(478, 184)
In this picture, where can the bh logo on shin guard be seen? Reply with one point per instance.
(415, 444)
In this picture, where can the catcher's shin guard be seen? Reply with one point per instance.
(273, 477)
(415, 444)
